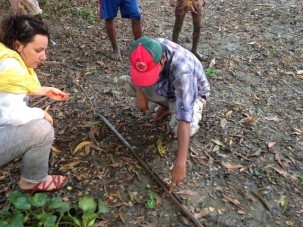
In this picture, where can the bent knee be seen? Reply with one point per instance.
(41, 128)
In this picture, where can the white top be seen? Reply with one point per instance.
(13, 107)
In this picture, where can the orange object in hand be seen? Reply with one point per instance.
(58, 97)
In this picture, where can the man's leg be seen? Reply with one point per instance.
(196, 36)
(111, 33)
(178, 26)
(196, 14)
(137, 28)
(198, 110)
(194, 126)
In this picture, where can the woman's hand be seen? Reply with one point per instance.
(48, 117)
(57, 94)
(52, 93)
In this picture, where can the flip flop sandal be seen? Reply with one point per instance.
(54, 181)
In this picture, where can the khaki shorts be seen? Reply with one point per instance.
(26, 7)
(126, 85)
(194, 6)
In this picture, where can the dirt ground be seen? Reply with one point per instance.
(245, 166)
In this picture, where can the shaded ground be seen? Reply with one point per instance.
(245, 165)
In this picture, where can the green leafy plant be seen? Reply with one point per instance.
(95, 72)
(41, 210)
(300, 177)
(152, 201)
(211, 72)
(86, 14)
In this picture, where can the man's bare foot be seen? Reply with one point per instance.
(53, 182)
(161, 113)
(116, 55)
(201, 57)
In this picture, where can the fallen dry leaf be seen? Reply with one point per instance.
(187, 192)
(271, 144)
(212, 63)
(234, 201)
(228, 115)
(70, 165)
(202, 213)
(284, 173)
(218, 142)
(277, 158)
(231, 166)
(80, 146)
(56, 150)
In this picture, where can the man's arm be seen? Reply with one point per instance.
(179, 170)
(141, 100)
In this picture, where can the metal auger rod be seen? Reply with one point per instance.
(172, 195)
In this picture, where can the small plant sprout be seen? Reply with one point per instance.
(95, 72)
(152, 201)
(211, 72)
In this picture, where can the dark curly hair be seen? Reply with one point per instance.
(21, 28)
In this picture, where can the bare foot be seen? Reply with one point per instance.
(200, 56)
(53, 182)
(116, 55)
(161, 113)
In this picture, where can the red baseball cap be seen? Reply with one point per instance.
(145, 59)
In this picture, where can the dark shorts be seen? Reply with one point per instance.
(194, 6)
(128, 9)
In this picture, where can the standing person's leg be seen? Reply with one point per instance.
(130, 9)
(137, 29)
(197, 18)
(196, 34)
(179, 18)
(108, 12)
(110, 27)
(180, 12)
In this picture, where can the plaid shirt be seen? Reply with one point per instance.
(182, 80)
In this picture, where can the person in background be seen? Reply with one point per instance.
(169, 75)
(181, 8)
(28, 7)
(128, 9)
(24, 131)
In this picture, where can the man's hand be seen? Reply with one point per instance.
(141, 102)
(178, 174)
(179, 170)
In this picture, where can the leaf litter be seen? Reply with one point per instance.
(250, 143)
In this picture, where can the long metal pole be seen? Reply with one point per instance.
(172, 195)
